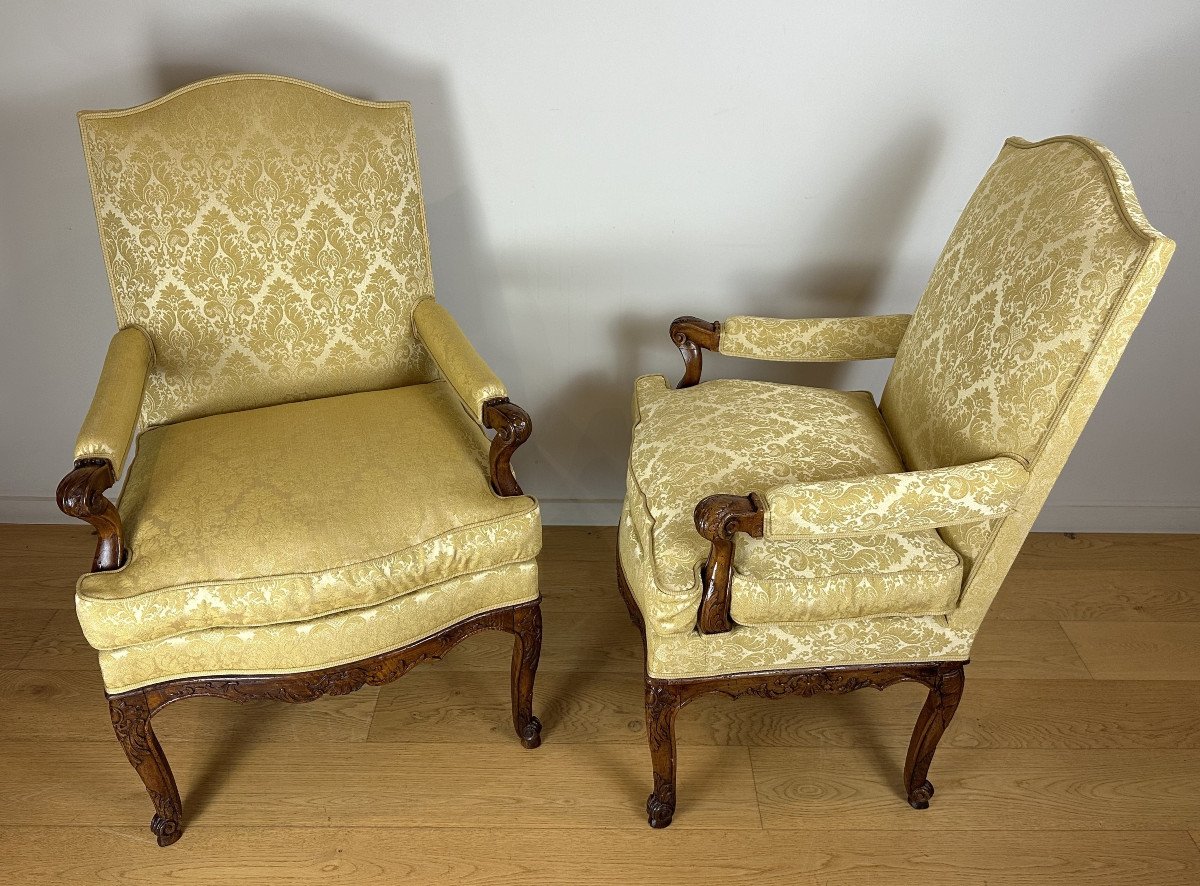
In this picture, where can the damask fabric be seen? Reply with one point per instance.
(107, 431)
(460, 363)
(749, 648)
(729, 436)
(302, 510)
(1031, 304)
(895, 502)
(268, 235)
(324, 641)
(815, 340)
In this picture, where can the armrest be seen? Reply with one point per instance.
(103, 444)
(458, 360)
(481, 392)
(884, 503)
(107, 431)
(814, 340)
(906, 502)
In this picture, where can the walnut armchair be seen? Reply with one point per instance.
(314, 504)
(782, 540)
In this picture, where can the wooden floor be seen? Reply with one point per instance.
(1074, 758)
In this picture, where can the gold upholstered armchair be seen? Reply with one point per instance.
(780, 540)
(314, 504)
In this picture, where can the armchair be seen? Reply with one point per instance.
(780, 540)
(314, 504)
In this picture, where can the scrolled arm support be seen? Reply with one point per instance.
(718, 517)
(513, 426)
(81, 495)
(691, 334)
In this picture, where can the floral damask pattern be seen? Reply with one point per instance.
(748, 648)
(268, 236)
(815, 340)
(902, 502)
(459, 362)
(1032, 303)
(742, 436)
(413, 509)
(1033, 300)
(320, 642)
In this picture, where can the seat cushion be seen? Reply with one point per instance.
(291, 512)
(737, 437)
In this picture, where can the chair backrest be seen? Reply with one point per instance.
(1033, 300)
(268, 235)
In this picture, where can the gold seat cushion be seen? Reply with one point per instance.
(292, 512)
(732, 436)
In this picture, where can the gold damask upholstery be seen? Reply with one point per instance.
(110, 423)
(1031, 304)
(473, 381)
(269, 237)
(308, 488)
(365, 497)
(813, 340)
(730, 434)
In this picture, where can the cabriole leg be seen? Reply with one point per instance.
(940, 705)
(131, 722)
(662, 705)
(527, 649)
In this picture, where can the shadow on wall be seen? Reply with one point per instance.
(1149, 413)
(587, 419)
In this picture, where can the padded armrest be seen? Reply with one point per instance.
(906, 502)
(107, 431)
(458, 360)
(815, 340)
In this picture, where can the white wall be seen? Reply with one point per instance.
(591, 171)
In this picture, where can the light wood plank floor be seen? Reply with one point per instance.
(1073, 759)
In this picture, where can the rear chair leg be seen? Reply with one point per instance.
(131, 714)
(527, 649)
(940, 705)
(662, 705)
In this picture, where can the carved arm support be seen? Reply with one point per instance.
(513, 426)
(690, 334)
(718, 517)
(81, 495)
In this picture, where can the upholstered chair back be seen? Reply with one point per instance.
(268, 235)
(1032, 302)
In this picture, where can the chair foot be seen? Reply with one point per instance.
(531, 735)
(919, 798)
(659, 810)
(131, 715)
(527, 650)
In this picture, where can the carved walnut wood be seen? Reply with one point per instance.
(718, 517)
(81, 495)
(690, 334)
(131, 712)
(513, 426)
(664, 698)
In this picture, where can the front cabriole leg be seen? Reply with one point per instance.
(945, 692)
(131, 715)
(662, 704)
(527, 649)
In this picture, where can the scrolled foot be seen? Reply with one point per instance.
(659, 812)
(918, 797)
(531, 735)
(167, 830)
